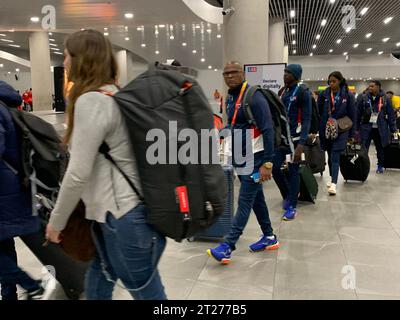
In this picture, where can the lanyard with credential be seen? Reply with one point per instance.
(238, 103)
(380, 105)
(333, 100)
(291, 99)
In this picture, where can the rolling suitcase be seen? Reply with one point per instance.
(223, 225)
(315, 156)
(392, 155)
(355, 163)
(308, 185)
(69, 273)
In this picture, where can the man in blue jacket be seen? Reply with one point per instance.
(297, 101)
(251, 194)
(376, 120)
(15, 204)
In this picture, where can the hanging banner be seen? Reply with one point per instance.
(268, 76)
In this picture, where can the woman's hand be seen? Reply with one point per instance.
(53, 235)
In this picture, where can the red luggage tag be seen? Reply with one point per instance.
(183, 199)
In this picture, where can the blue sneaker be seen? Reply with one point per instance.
(265, 244)
(222, 253)
(286, 204)
(290, 214)
(379, 170)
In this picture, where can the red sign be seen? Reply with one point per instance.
(183, 199)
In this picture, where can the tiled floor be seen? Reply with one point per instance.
(358, 230)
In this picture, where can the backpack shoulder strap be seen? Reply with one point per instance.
(247, 102)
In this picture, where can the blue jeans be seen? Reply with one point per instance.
(334, 163)
(288, 186)
(251, 196)
(375, 135)
(127, 249)
(11, 274)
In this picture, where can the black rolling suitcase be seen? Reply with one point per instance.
(223, 225)
(315, 156)
(69, 273)
(355, 163)
(308, 184)
(392, 155)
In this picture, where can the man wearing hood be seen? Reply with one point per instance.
(375, 120)
(16, 217)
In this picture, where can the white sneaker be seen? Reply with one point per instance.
(332, 190)
(329, 184)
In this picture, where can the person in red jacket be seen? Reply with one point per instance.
(30, 100)
(25, 98)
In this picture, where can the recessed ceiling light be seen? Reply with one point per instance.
(15, 45)
(348, 30)
(17, 70)
(203, 60)
(388, 20)
(293, 31)
(105, 29)
(356, 45)
(332, 1)
(385, 39)
(194, 51)
(311, 54)
(368, 35)
(106, 34)
(338, 41)
(129, 15)
(52, 40)
(157, 52)
(11, 30)
(140, 28)
(83, 29)
(364, 11)
(59, 53)
(330, 51)
(1, 65)
(292, 13)
(53, 45)
(50, 34)
(6, 40)
(294, 51)
(398, 44)
(369, 49)
(314, 46)
(219, 36)
(318, 36)
(9, 72)
(161, 26)
(324, 22)
(380, 52)
(55, 49)
(210, 67)
(345, 53)
(35, 19)
(172, 37)
(294, 42)
(209, 30)
(143, 45)
(215, 70)
(127, 38)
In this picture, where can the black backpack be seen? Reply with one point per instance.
(279, 116)
(315, 116)
(182, 199)
(44, 157)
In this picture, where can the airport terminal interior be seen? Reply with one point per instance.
(341, 247)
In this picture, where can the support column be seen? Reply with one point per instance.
(122, 62)
(41, 76)
(276, 41)
(246, 31)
